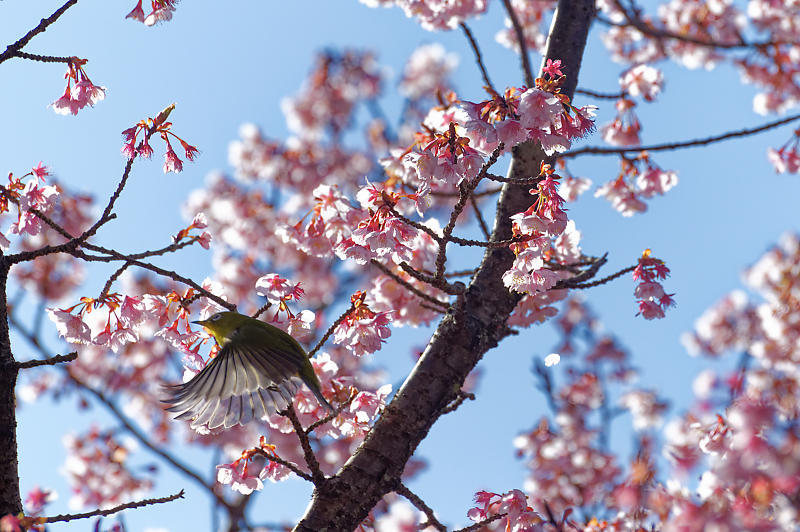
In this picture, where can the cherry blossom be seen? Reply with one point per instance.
(80, 91)
(427, 70)
(652, 299)
(533, 17)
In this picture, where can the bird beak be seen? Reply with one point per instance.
(200, 322)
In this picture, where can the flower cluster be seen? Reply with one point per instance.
(337, 83)
(721, 23)
(30, 198)
(650, 295)
(97, 471)
(159, 124)
(426, 72)
(280, 292)
(786, 159)
(534, 229)
(436, 15)
(80, 90)
(32, 520)
(638, 179)
(160, 11)
(624, 129)
(460, 135)
(518, 516)
(381, 232)
(199, 222)
(93, 318)
(642, 81)
(363, 330)
(246, 473)
(534, 17)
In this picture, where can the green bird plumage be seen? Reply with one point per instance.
(258, 370)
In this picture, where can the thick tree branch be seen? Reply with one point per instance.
(10, 502)
(461, 339)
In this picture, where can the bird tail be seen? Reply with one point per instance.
(318, 394)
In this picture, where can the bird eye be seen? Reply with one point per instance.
(215, 317)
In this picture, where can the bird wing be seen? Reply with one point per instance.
(246, 380)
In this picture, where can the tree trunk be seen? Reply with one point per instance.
(9, 475)
(460, 340)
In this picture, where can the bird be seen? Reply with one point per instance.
(257, 371)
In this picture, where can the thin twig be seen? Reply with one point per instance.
(114, 277)
(523, 47)
(479, 216)
(44, 58)
(465, 190)
(317, 476)
(288, 465)
(447, 194)
(656, 33)
(437, 282)
(481, 524)
(50, 361)
(109, 511)
(601, 95)
(455, 403)
(318, 423)
(597, 150)
(262, 309)
(604, 280)
(12, 49)
(478, 57)
(545, 384)
(330, 330)
(408, 286)
(413, 498)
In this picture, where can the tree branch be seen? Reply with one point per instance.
(461, 339)
(51, 361)
(109, 511)
(414, 499)
(597, 150)
(12, 49)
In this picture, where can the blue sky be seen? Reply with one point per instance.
(233, 63)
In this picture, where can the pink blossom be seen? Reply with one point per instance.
(162, 13)
(171, 161)
(572, 187)
(242, 478)
(364, 335)
(539, 109)
(642, 80)
(654, 181)
(40, 171)
(552, 68)
(204, 239)
(137, 13)
(650, 309)
(534, 17)
(65, 104)
(427, 70)
(37, 499)
(70, 327)
(10, 523)
(784, 160)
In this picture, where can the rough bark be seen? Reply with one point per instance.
(460, 340)
(9, 475)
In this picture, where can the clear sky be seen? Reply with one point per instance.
(225, 64)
